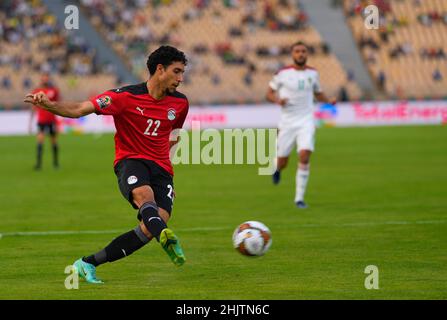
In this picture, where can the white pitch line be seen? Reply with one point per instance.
(57, 233)
(358, 224)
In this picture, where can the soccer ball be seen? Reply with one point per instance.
(252, 238)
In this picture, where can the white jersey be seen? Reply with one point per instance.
(298, 87)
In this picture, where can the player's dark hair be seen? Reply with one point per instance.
(299, 43)
(165, 55)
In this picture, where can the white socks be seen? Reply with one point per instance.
(302, 176)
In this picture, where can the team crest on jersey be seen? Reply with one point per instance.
(171, 114)
(104, 101)
(132, 180)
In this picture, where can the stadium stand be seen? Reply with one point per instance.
(407, 55)
(32, 43)
(234, 46)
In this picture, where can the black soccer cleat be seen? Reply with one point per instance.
(301, 205)
(276, 177)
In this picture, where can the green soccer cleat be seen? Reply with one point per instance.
(170, 243)
(86, 271)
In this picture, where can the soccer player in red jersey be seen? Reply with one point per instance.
(145, 114)
(46, 121)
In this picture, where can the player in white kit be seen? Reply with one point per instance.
(294, 88)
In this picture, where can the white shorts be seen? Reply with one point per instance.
(303, 137)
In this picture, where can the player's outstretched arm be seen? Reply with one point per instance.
(60, 108)
(321, 97)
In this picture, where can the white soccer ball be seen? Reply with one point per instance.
(252, 238)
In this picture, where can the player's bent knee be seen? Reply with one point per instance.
(282, 163)
(150, 216)
(142, 195)
(305, 157)
(40, 138)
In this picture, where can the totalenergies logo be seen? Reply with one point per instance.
(326, 114)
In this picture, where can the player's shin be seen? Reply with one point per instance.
(302, 177)
(55, 155)
(120, 247)
(151, 219)
(39, 155)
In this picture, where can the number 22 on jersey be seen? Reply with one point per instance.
(156, 124)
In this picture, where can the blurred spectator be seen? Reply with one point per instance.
(251, 67)
(437, 75)
(343, 95)
(383, 5)
(336, 3)
(325, 48)
(230, 3)
(235, 32)
(381, 80)
(396, 52)
(200, 48)
(215, 79)
(365, 42)
(248, 12)
(6, 82)
(424, 19)
(433, 53)
(371, 58)
(441, 54)
(248, 78)
(27, 83)
(407, 48)
(428, 18)
(384, 33)
(273, 66)
(191, 14)
(350, 75)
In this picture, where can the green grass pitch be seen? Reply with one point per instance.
(377, 196)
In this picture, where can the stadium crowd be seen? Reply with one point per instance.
(412, 36)
(135, 27)
(237, 44)
(21, 21)
(33, 43)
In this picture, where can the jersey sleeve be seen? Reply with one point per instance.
(181, 119)
(317, 85)
(57, 95)
(275, 83)
(108, 103)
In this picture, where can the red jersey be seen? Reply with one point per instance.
(44, 116)
(143, 124)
